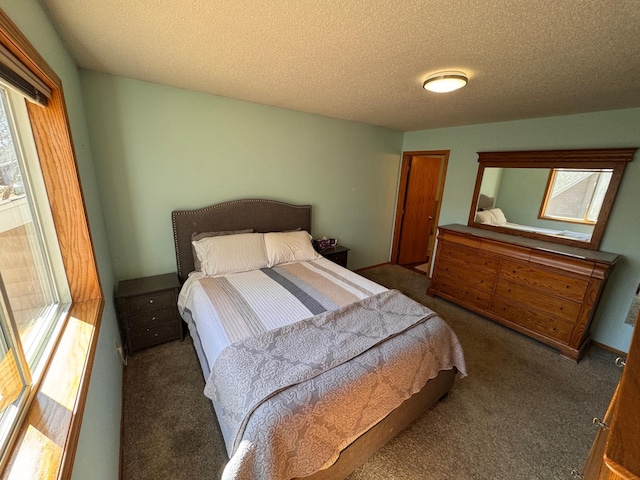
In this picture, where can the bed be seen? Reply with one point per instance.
(304, 360)
(495, 216)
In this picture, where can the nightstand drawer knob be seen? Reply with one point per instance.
(153, 318)
(151, 301)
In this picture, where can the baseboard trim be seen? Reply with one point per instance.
(608, 348)
(370, 267)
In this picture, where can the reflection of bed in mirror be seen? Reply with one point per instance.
(495, 216)
(561, 196)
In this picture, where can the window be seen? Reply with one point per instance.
(575, 195)
(48, 432)
(33, 298)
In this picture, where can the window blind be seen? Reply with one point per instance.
(14, 74)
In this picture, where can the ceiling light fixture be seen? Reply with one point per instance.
(443, 82)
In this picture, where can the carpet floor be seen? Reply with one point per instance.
(523, 412)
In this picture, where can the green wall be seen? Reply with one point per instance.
(98, 451)
(159, 149)
(617, 128)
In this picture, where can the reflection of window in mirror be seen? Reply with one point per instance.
(575, 195)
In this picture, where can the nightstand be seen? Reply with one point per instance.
(337, 254)
(148, 311)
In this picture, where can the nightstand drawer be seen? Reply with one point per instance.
(148, 337)
(151, 301)
(337, 254)
(152, 318)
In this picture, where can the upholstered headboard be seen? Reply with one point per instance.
(260, 215)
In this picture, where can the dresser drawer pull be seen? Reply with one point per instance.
(153, 318)
(599, 423)
(151, 301)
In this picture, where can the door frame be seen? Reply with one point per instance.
(402, 193)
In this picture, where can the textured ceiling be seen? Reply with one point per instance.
(366, 60)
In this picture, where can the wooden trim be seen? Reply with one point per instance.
(623, 442)
(620, 353)
(56, 411)
(402, 193)
(57, 160)
(46, 444)
(371, 266)
(580, 155)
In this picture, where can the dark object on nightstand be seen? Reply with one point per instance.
(148, 311)
(337, 254)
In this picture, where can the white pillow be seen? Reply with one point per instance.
(226, 254)
(498, 215)
(285, 247)
(485, 217)
(199, 236)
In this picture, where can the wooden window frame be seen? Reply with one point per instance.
(542, 215)
(47, 438)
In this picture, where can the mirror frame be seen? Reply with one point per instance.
(613, 158)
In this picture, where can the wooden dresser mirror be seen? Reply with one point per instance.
(559, 196)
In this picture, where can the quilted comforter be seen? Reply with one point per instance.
(290, 398)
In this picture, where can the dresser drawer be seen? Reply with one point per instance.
(535, 320)
(467, 256)
(151, 301)
(467, 275)
(152, 318)
(150, 336)
(547, 281)
(556, 306)
(470, 296)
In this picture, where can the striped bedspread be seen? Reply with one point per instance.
(227, 309)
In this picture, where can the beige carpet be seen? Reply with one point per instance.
(524, 412)
(423, 268)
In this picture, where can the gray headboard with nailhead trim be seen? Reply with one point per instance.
(261, 215)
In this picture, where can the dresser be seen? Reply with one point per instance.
(541, 289)
(147, 310)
